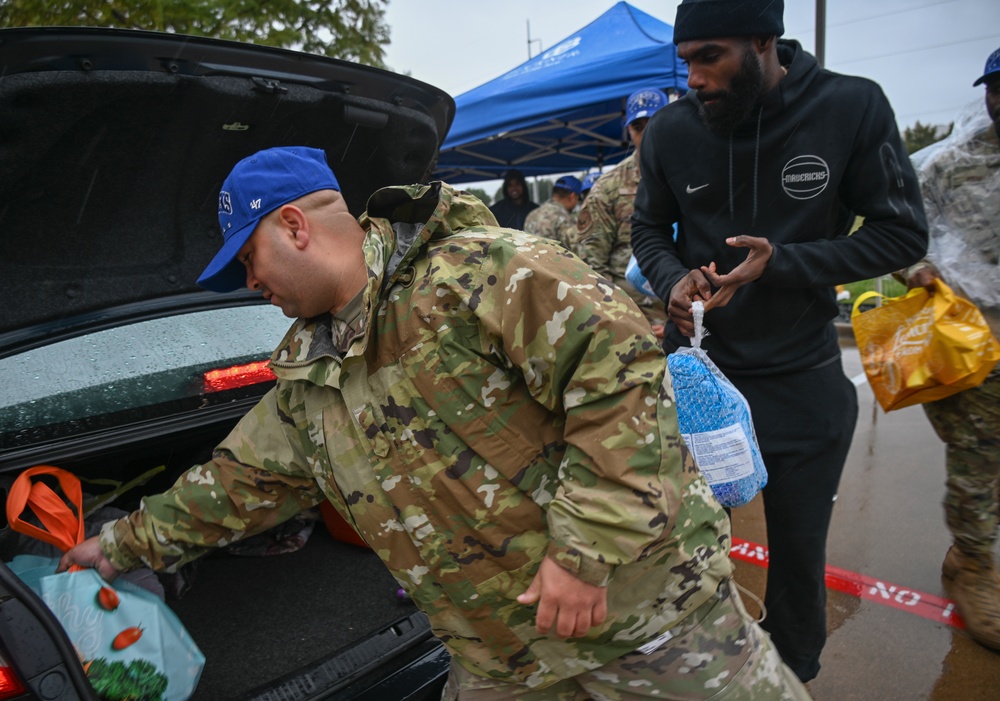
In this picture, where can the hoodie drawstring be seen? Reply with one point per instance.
(732, 213)
(756, 169)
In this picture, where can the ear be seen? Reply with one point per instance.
(764, 44)
(295, 222)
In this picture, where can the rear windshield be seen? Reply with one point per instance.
(137, 372)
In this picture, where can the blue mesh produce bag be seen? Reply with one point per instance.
(715, 423)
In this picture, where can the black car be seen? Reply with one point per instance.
(113, 147)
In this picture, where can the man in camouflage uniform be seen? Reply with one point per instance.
(495, 422)
(604, 226)
(554, 219)
(961, 188)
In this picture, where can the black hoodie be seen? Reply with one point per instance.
(817, 150)
(510, 214)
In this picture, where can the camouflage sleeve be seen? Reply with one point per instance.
(255, 480)
(567, 232)
(588, 355)
(531, 221)
(597, 229)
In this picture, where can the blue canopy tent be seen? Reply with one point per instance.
(562, 110)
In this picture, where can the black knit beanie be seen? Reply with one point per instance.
(709, 19)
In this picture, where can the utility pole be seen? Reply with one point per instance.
(820, 32)
(532, 41)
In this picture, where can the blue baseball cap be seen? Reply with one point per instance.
(568, 182)
(992, 68)
(588, 181)
(257, 186)
(643, 103)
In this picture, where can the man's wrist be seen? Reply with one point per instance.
(110, 537)
(918, 267)
(586, 569)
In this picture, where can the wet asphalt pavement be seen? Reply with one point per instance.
(891, 628)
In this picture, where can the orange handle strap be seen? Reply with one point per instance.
(61, 526)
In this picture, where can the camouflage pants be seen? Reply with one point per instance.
(719, 652)
(969, 423)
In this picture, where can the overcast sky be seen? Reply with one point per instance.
(924, 53)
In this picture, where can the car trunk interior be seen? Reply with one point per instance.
(255, 617)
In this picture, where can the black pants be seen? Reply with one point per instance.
(804, 423)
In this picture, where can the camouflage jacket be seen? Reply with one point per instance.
(604, 232)
(496, 407)
(961, 191)
(552, 221)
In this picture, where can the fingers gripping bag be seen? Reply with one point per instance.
(715, 422)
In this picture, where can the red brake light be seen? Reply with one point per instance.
(10, 685)
(222, 379)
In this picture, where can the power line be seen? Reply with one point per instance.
(879, 16)
(920, 48)
(953, 112)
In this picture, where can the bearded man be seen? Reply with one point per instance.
(764, 166)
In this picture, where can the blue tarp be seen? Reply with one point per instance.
(562, 110)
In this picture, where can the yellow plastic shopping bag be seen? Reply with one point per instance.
(920, 347)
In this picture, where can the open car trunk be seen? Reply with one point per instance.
(322, 621)
(113, 148)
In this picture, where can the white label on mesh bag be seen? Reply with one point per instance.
(722, 455)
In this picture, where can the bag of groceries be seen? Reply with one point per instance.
(715, 422)
(130, 644)
(921, 346)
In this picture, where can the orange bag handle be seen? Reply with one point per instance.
(61, 526)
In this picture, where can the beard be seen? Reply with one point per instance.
(731, 107)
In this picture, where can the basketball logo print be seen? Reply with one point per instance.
(805, 177)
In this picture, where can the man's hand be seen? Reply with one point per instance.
(573, 606)
(691, 287)
(924, 277)
(749, 270)
(89, 554)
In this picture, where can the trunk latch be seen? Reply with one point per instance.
(268, 85)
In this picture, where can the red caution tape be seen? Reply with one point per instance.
(864, 587)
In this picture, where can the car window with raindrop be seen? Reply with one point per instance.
(137, 372)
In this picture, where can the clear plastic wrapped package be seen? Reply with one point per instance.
(715, 423)
(960, 180)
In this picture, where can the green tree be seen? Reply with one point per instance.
(920, 135)
(481, 194)
(354, 30)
